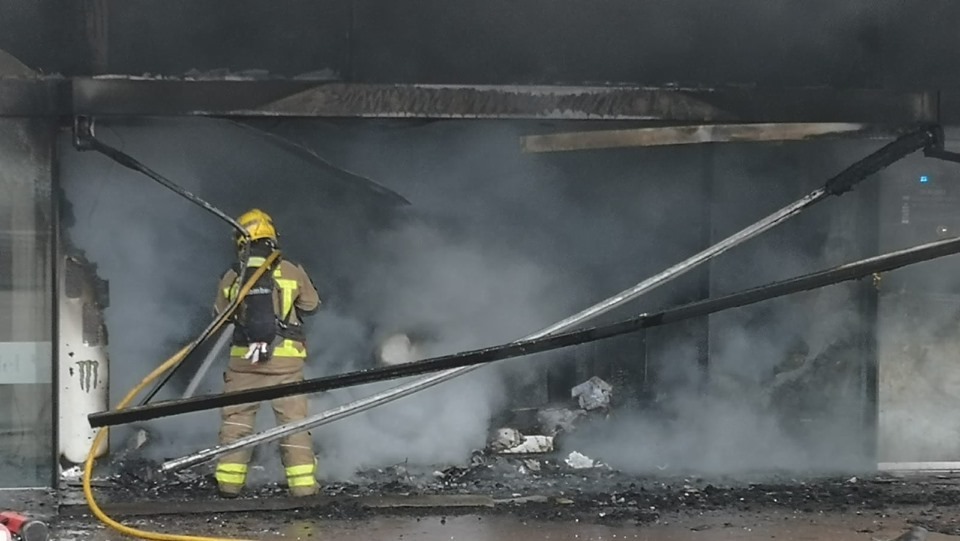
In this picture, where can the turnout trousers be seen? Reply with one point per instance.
(296, 450)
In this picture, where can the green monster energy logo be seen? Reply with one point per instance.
(89, 373)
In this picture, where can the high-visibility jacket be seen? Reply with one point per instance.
(295, 296)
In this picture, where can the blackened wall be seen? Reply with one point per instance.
(856, 43)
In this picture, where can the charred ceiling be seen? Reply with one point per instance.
(770, 43)
(686, 61)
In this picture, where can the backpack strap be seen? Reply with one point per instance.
(253, 263)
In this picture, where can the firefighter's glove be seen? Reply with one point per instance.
(257, 352)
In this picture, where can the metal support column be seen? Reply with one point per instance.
(869, 224)
(706, 231)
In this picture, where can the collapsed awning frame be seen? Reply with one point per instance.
(127, 96)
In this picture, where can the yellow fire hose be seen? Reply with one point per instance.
(159, 371)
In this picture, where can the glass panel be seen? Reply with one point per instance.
(26, 356)
(919, 313)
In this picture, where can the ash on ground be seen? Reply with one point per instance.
(547, 487)
(526, 470)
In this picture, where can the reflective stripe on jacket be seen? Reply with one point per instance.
(295, 293)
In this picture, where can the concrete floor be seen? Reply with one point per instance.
(877, 508)
(718, 526)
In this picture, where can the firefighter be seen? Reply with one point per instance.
(268, 348)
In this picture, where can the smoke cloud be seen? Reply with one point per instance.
(918, 315)
(495, 246)
(783, 391)
(429, 269)
(655, 42)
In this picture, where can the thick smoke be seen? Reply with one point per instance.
(433, 268)
(763, 404)
(656, 42)
(919, 310)
(496, 246)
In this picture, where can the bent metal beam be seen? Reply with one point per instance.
(238, 97)
(692, 135)
(127, 96)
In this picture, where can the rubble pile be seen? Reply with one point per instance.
(593, 394)
(512, 462)
(548, 489)
(138, 478)
(553, 422)
(526, 470)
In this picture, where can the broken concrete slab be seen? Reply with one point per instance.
(532, 465)
(505, 438)
(510, 441)
(593, 394)
(73, 473)
(531, 445)
(579, 461)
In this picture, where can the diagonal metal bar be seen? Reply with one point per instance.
(84, 139)
(225, 335)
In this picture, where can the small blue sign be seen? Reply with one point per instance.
(924, 179)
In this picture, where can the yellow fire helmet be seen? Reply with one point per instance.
(259, 224)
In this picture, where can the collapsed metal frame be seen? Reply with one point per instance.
(138, 97)
(930, 139)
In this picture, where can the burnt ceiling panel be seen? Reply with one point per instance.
(923, 45)
(177, 36)
(768, 42)
(856, 44)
